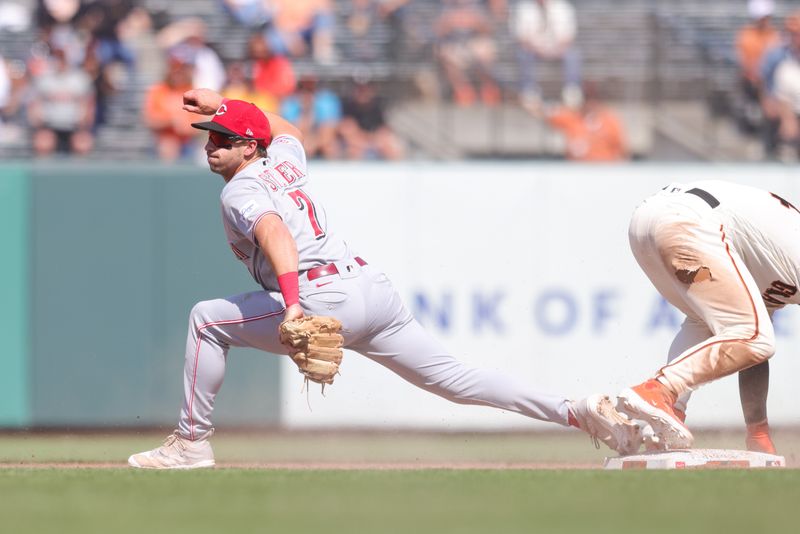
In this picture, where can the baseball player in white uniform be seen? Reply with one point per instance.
(277, 227)
(727, 256)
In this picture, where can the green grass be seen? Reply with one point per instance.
(236, 500)
(122, 500)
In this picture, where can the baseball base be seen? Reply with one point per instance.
(696, 459)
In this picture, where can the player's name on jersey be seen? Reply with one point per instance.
(283, 175)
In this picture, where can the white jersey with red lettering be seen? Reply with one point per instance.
(332, 281)
(278, 184)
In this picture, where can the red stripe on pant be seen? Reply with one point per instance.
(197, 356)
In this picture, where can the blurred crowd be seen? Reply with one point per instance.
(89, 52)
(769, 61)
(90, 55)
(94, 58)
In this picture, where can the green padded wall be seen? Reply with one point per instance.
(15, 349)
(120, 254)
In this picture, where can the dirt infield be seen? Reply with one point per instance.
(328, 466)
(384, 451)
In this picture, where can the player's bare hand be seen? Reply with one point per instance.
(202, 101)
(293, 312)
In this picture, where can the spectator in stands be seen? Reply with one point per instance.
(400, 26)
(15, 17)
(317, 112)
(209, 71)
(250, 13)
(240, 87)
(163, 112)
(272, 73)
(592, 131)
(545, 31)
(364, 25)
(364, 129)
(303, 27)
(15, 91)
(61, 109)
(51, 13)
(109, 61)
(101, 20)
(465, 44)
(66, 38)
(781, 75)
(5, 87)
(752, 41)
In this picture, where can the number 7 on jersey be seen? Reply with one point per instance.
(304, 202)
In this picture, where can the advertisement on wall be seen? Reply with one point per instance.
(525, 269)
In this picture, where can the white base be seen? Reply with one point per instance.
(696, 459)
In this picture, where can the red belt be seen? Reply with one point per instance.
(329, 269)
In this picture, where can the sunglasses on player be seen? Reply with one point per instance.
(223, 141)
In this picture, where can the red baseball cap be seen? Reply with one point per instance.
(237, 118)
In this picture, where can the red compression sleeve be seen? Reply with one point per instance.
(290, 288)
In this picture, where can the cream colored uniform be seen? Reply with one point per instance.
(375, 321)
(727, 256)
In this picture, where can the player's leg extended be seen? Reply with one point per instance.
(247, 320)
(394, 339)
(408, 350)
(415, 355)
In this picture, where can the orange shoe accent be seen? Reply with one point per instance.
(758, 438)
(681, 415)
(656, 394)
(654, 403)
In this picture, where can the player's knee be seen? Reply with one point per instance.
(764, 347)
(452, 385)
(750, 352)
(202, 313)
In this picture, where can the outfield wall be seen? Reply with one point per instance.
(522, 267)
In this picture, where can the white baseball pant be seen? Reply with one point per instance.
(688, 255)
(375, 323)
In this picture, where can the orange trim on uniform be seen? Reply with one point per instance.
(752, 305)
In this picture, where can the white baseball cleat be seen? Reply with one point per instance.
(651, 403)
(649, 438)
(176, 453)
(597, 416)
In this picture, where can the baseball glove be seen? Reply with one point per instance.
(315, 345)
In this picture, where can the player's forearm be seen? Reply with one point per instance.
(280, 249)
(277, 244)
